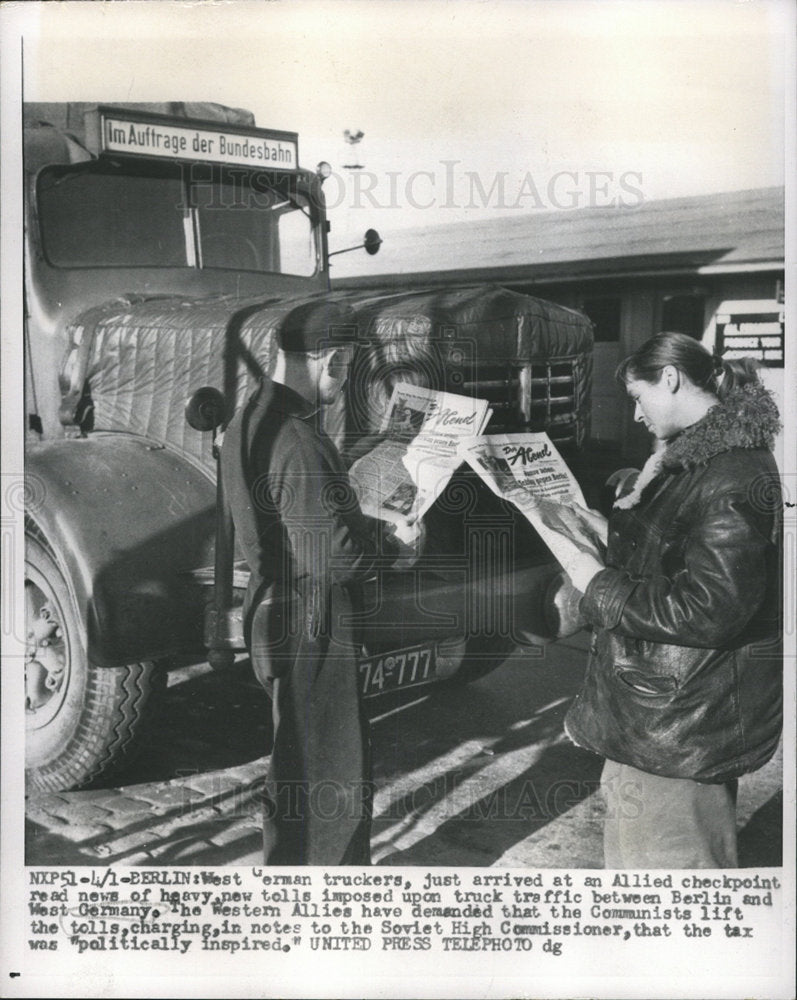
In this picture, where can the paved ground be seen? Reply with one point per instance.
(475, 775)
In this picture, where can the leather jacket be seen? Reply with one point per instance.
(684, 674)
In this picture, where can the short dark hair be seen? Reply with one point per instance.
(317, 325)
(705, 370)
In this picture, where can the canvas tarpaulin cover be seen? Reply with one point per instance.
(135, 363)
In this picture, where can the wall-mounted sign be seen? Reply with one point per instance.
(744, 333)
(156, 137)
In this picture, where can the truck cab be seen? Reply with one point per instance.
(163, 246)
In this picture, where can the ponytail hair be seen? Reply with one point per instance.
(735, 374)
(705, 370)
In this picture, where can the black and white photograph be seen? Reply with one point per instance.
(399, 483)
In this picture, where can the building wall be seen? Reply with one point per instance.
(629, 310)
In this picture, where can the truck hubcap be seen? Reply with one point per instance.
(46, 659)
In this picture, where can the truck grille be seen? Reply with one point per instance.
(550, 395)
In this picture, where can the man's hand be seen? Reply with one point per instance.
(595, 521)
(574, 538)
(410, 532)
(579, 565)
(410, 535)
(582, 569)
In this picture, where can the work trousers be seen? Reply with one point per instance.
(656, 822)
(317, 808)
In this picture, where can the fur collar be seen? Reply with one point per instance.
(746, 418)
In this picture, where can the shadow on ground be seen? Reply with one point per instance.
(761, 839)
(466, 775)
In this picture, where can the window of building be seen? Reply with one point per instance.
(684, 314)
(605, 314)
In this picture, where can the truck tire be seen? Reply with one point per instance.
(82, 720)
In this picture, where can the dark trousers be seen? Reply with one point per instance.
(319, 792)
(656, 822)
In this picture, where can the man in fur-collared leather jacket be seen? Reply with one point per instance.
(682, 692)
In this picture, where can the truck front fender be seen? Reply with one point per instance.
(128, 521)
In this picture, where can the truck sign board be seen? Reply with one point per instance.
(150, 137)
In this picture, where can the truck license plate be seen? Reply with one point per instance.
(400, 668)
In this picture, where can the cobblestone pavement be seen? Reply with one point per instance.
(191, 797)
(475, 775)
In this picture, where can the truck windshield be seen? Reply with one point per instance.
(112, 215)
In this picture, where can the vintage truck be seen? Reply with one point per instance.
(163, 245)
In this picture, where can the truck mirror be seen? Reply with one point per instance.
(372, 241)
(205, 409)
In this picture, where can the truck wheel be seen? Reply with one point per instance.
(483, 654)
(81, 720)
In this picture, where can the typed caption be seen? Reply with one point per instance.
(249, 910)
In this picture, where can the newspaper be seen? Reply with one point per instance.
(527, 470)
(403, 475)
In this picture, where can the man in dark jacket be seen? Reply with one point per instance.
(308, 546)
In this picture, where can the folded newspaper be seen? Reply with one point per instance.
(528, 471)
(406, 472)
